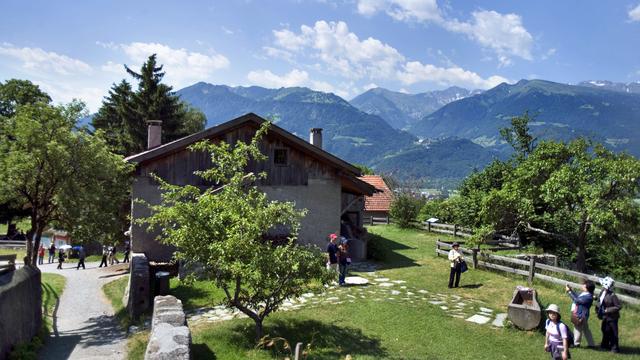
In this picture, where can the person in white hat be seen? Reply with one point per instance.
(455, 260)
(556, 340)
(609, 311)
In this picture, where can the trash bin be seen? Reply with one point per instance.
(524, 310)
(162, 283)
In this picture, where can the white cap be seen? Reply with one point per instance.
(554, 308)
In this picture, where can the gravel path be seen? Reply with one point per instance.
(84, 326)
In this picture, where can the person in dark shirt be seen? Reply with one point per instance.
(609, 312)
(332, 253)
(60, 258)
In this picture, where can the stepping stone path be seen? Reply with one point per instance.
(370, 285)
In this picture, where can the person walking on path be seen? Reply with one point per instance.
(556, 339)
(580, 312)
(60, 258)
(114, 251)
(127, 250)
(105, 253)
(332, 253)
(81, 255)
(455, 258)
(52, 252)
(41, 255)
(609, 312)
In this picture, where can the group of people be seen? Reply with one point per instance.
(338, 257)
(607, 309)
(108, 253)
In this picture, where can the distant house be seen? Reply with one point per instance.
(377, 204)
(299, 171)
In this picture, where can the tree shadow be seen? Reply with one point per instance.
(328, 341)
(385, 252)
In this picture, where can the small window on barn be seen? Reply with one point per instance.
(281, 157)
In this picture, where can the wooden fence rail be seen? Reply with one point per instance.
(481, 259)
(13, 244)
(10, 264)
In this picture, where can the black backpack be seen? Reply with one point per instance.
(569, 332)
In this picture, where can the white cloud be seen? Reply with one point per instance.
(415, 71)
(341, 51)
(634, 14)
(39, 61)
(114, 68)
(402, 10)
(503, 33)
(268, 79)
(227, 30)
(63, 92)
(182, 66)
(549, 54)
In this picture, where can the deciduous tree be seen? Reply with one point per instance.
(63, 176)
(227, 228)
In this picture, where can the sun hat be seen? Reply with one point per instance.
(607, 282)
(553, 307)
(333, 236)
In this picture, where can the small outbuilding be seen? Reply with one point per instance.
(377, 204)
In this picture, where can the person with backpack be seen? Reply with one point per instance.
(82, 254)
(52, 252)
(580, 311)
(609, 312)
(60, 259)
(558, 338)
(105, 253)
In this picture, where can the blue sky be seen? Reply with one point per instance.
(76, 49)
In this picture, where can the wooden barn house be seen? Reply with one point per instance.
(298, 171)
(377, 205)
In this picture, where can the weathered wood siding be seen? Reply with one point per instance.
(178, 168)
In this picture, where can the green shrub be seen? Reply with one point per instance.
(404, 210)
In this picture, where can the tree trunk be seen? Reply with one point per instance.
(581, 247)
(259, 330)
(36, 245)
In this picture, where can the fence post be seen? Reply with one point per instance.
(429, 226)
(387, 219)
(455, 230)
(475, 257)
(532, 270)
(371, 219)
(437, 247)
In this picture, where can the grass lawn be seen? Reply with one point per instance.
(380, 329)
(137, 343)
(52, 286)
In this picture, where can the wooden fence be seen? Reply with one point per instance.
(7, 263)
(373, 220)
(532, 270)
(13, 244)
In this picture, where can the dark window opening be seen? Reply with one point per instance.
(281, 157)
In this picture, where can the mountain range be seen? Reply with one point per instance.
(560, 112)
(402, 110)
(447, 134)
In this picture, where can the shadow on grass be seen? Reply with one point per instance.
(386, 252)
(185, 293)
(49, 295)
(202, 351)
(328, 341)
(471, 286)
(627, 350)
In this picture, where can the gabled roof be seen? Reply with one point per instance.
(381, 200)
(348, 172)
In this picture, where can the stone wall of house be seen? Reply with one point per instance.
(170, 337)
(322, 199)
(20, 308)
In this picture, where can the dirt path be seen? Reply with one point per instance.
(84, 326)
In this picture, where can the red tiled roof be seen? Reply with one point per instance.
(379, 201)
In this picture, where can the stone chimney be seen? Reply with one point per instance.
(154, 133)
(315, 137)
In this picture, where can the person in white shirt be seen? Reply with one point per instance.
(455, 258)
(556, 340)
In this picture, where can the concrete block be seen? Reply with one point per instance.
(139, 292)
(168, 343)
